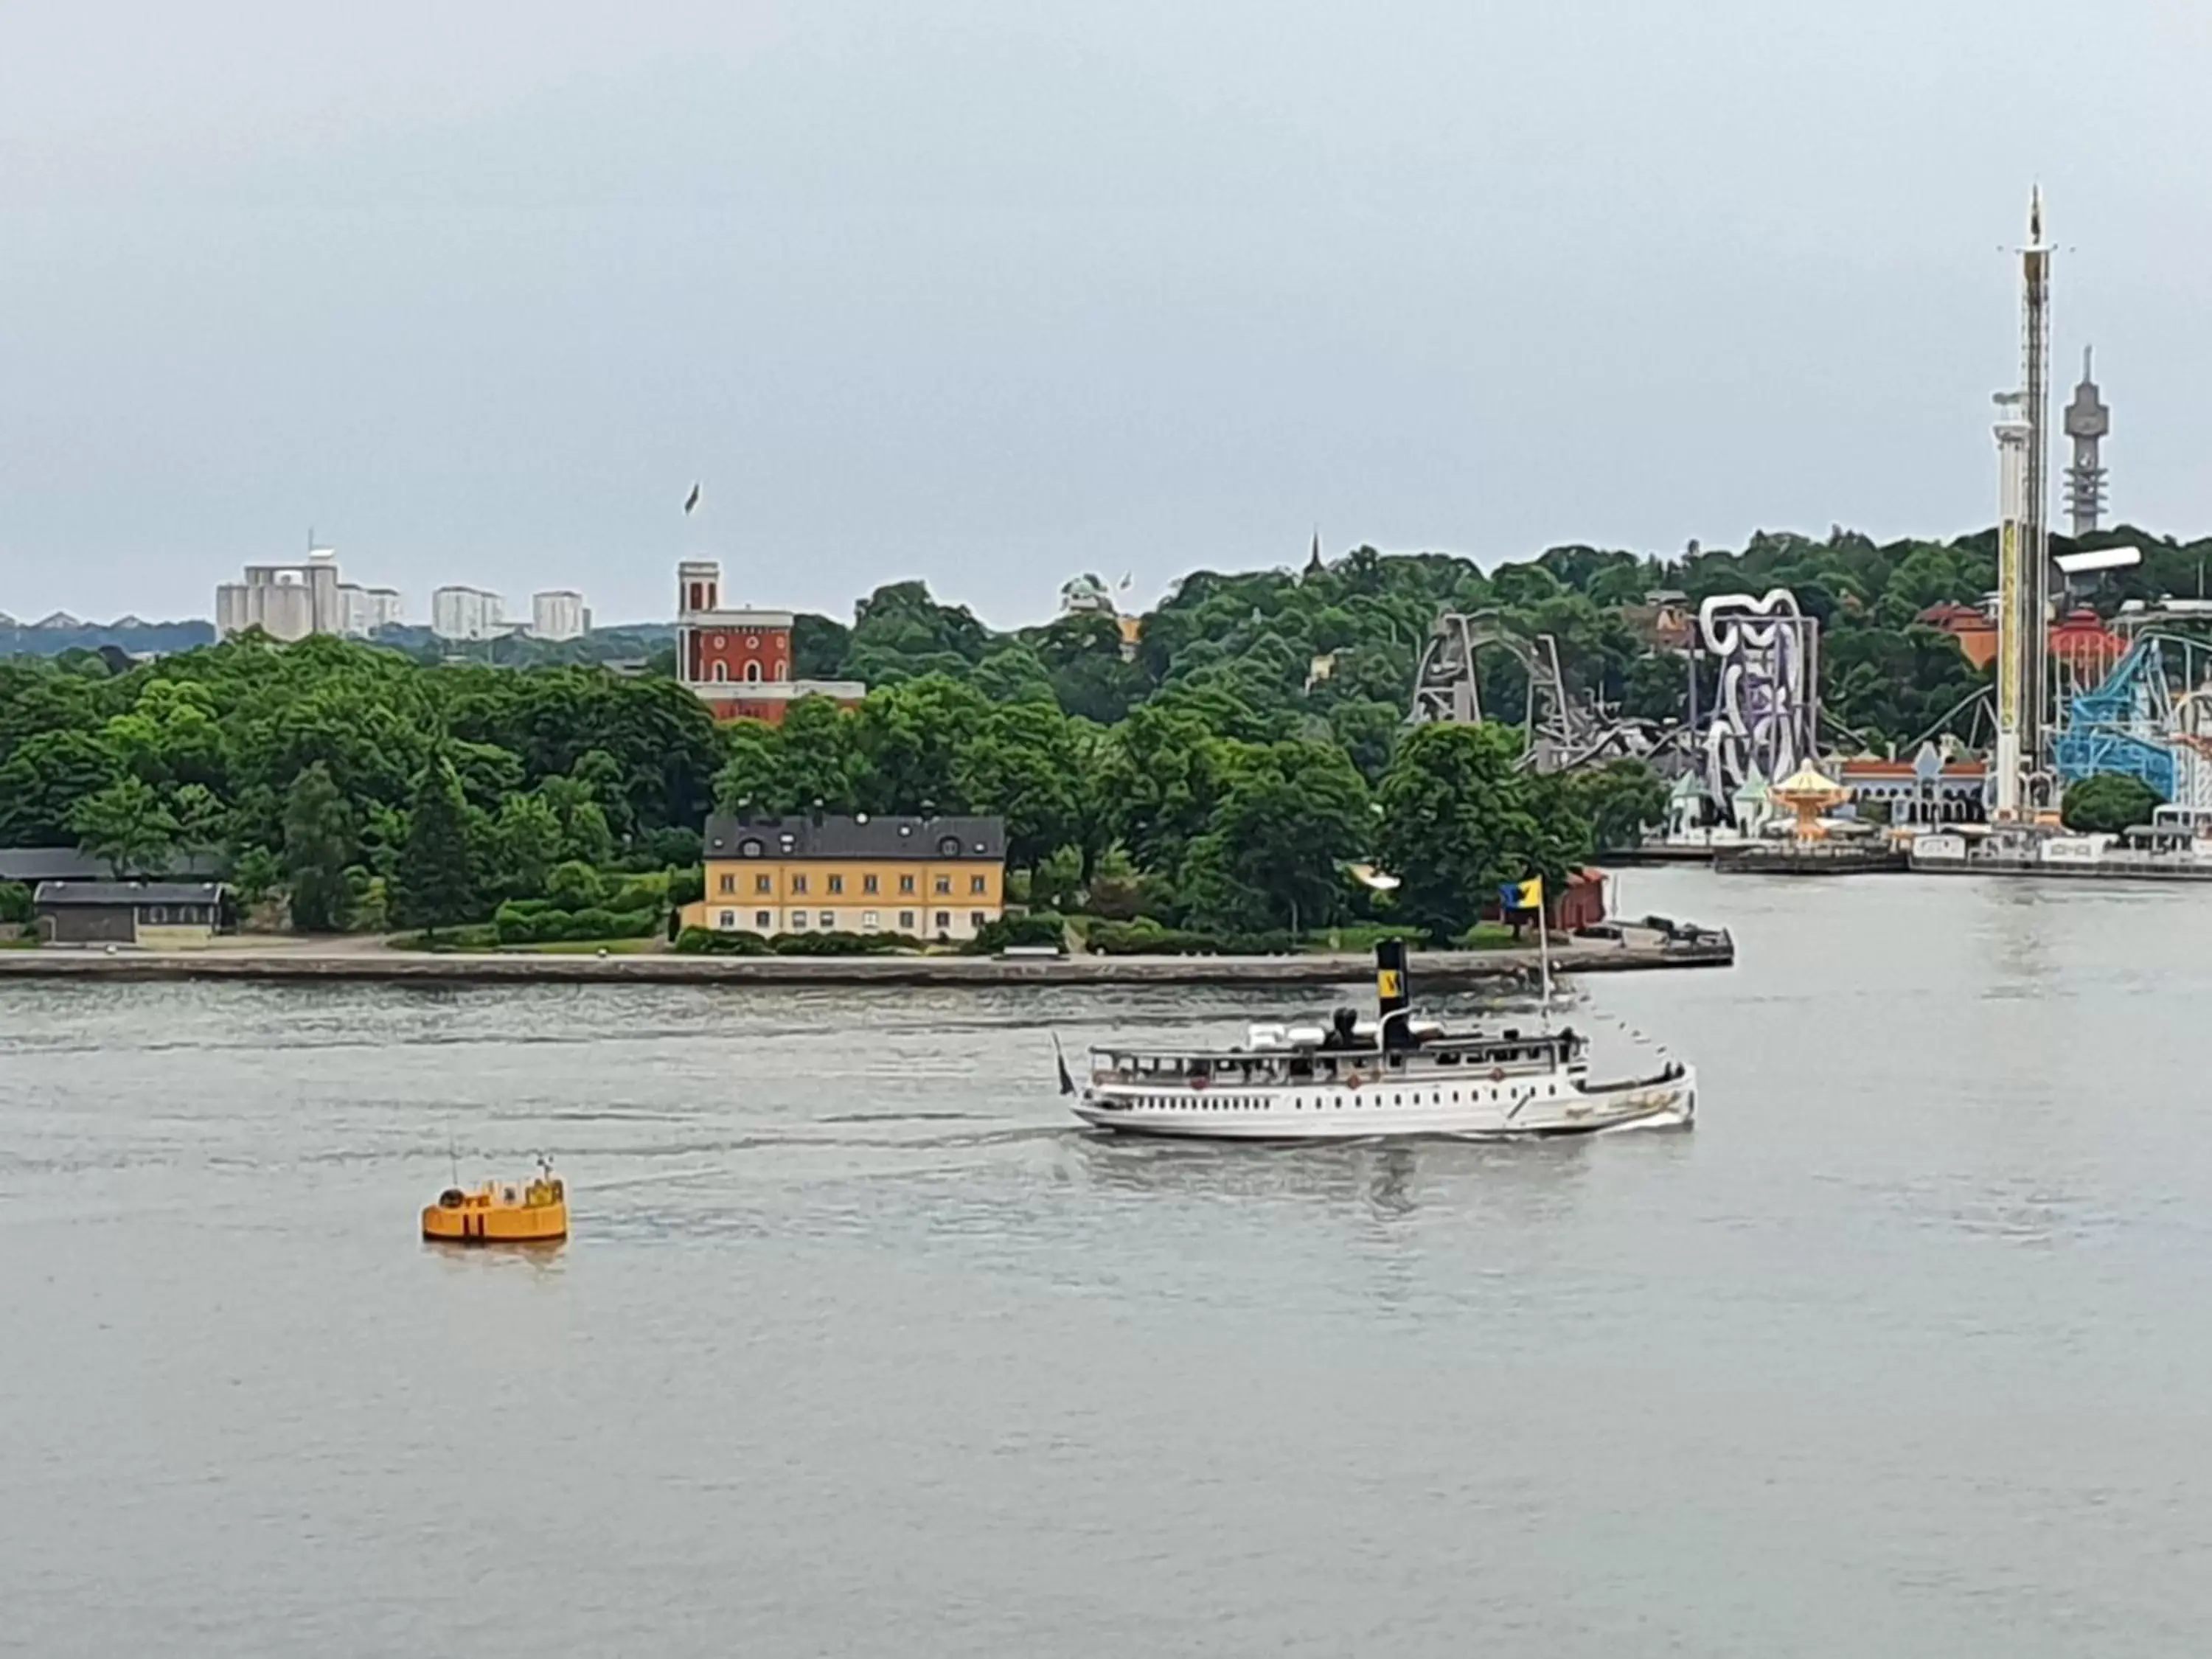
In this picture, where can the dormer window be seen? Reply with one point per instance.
(950, 847)
(749, 848)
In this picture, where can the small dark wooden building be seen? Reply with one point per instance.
(160, 915)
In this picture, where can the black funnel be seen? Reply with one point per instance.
(1391, 991)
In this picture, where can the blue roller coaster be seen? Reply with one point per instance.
(2128, 724)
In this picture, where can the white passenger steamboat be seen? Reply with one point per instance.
(1396, 1074)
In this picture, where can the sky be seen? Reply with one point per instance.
(992, 292)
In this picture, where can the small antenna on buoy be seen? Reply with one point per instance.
(453, 1152)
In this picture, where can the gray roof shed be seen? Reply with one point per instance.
(53, 893)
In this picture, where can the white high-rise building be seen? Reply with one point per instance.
(385, 610)
(466, 613)
(559, 614)
(285, 601)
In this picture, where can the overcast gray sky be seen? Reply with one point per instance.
(994, 291)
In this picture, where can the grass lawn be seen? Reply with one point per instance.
(1363, 937)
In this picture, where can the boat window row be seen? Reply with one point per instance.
(1350, 1101)
(1302, 1066)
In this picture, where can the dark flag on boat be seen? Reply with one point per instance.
(692, 501)
(1067, 1083)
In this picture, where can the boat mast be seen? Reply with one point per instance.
(1543, 959)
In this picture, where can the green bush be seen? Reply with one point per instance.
(706, 942)
(575, 886)
(840, 943)
(15, 902)
(2109, 802)
(645, 892)
(1146, 938)
(1039, 927)
(475, 936)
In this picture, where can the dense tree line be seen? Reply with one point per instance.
(372, 788)
(1220, 775)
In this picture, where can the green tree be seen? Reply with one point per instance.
(202, 821)
(1025, 762)
(1290, 815)
(524, 843)
(1621, 799)
(318, 845)
(436, 877)
(584, 832)
(1459, 818)
(2109, 802)
(43, 782)
(126, 826)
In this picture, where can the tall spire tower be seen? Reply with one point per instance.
(2088, 421)
(2023, 545)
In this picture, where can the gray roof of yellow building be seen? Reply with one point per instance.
(860, 836)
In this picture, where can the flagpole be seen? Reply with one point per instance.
(1544, 957)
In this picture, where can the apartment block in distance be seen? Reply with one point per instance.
(941, 877)
(559, 614)
(291, 601)
(739, 662)
(466, 613)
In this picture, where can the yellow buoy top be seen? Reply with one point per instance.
(536, 1209)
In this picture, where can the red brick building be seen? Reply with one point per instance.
(739, 662)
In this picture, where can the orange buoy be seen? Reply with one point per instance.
(500, 1213)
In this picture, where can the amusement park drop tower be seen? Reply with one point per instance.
(2022, 765)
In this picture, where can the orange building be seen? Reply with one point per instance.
(739, 662)
(2080, 639)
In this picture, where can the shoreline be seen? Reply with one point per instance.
(1444, 971)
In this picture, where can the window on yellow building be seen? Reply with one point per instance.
(729, 883)
(798, 883)
(905, 921)
(763, 920)
(836, 883)
(906, 884)
(763, 882)
(944, 884)
(975, 884)
(868, 883)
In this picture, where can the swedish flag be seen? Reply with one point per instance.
(1522, 894)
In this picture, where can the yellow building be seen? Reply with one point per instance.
(939, 879)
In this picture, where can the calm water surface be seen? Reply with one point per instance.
(861, 1350)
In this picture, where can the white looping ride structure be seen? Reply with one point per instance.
(1766, 655)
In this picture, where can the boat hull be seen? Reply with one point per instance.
(538, 1223)
(1541, 1110)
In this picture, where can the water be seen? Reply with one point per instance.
(859, 1350)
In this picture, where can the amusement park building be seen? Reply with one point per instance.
(1926, 789)
(2080, 639)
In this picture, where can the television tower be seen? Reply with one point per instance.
(2088, 421)
(2024, 546)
